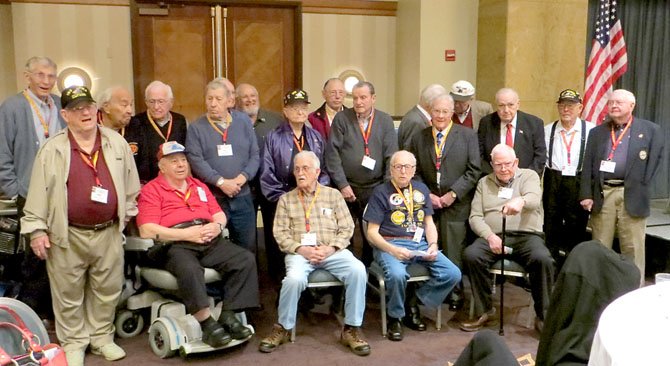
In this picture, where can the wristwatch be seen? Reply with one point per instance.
(453, 194)
(221, 227)
(220, 182)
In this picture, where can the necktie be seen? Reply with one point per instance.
(509, 141)
(439, 138)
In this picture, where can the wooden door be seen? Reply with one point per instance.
(174, 43)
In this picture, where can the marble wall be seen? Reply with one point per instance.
(7, 77)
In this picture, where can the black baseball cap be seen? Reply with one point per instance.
(569, 95)
(296, 96)
(74, 95)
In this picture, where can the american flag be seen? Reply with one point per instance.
(607, 62)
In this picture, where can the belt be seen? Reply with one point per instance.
(614, 183)
(398, 237)
(94, 227)
(185, 224)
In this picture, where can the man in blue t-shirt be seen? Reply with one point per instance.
(402, 231)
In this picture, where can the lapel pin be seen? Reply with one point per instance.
(640, 135)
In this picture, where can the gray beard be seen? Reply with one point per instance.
(251, 111)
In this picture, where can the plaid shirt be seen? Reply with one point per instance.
(329, 219)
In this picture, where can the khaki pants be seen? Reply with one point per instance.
(86, 281)
(612, 218)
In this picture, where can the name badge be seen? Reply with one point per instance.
(569, 171)
(224, 149)
(418, 235)
(607, 166)
(505, 193)
(439, 175)
(369, 162)
(202, 195)
(308, 239)
(328, 212)
(99, 194)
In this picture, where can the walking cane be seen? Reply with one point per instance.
(501, 331)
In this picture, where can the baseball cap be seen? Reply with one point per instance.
(296, 96)
(462, 90)
(569, 95)
(74, 95)
(169, 148)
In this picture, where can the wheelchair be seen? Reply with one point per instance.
(171, 329)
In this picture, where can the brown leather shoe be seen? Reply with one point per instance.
(352, 338)
(485, 319)
(278, 337)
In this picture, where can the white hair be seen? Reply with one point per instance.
(446, 97)
(158, 84)
(398, 153)
(629, 96)
(507, 91)
(502, 149)
(39, 60)
(106, 95)
(219, 83)
(429, 93)
(316, 163)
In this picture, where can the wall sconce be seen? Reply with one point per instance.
(350, 78)
(73, 76)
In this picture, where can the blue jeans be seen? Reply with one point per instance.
(241, 215)
(343, 265)
(444, 275)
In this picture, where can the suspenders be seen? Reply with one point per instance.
(581, 145)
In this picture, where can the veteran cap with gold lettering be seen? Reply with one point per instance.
(296, 96)
(74, 95)
(569, 95)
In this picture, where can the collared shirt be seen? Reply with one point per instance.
(159, 203)
(329, 219)
(503, 130)
(559, 155)
(424, 112)
(49, 113)
(364, 120)
(330, 113)
(621, 153)
(464, 115)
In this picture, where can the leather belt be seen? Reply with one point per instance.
(94, 227)
(185, 224)
(398, 237)
(614, 183)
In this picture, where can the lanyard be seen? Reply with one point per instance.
(36, 109)
(409, 204)
(224, 134)
(185, 197)
(299, 142)
(439, 149)
(615, 143)
(158, 130)
(308, 210)
(568, 144)
(92, 162)
(366, 134)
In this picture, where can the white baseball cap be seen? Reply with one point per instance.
(462, 90)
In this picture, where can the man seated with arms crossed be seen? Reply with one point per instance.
(313, 227)
(402, 231)
(181, 211)
(515, 193)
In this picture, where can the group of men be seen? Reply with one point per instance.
(315, 176)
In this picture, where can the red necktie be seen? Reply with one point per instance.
(509, 141)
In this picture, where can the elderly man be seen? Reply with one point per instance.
(361, 143)
(515, 193)
(281, 147)
(26, 121)
(467, 111)
(448, 162)
(232, 97)
(313, 228)
(564, 219)
(116, 108)
(150, 129)
(181, 212)
(418, 118)
(622, 158)
(82, 192)
(333, 93)
(514, 128)
(401, 228)
(224, 154)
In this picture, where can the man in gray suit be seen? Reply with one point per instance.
(621, 160)
(418, 118)
(467, 111)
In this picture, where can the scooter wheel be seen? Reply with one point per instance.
(159, 340)
(128, 323)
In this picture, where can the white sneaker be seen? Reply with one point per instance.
(110, 351)
(75, 358)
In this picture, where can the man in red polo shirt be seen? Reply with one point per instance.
(181, 212)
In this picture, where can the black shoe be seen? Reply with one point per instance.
(394, 329)
(213, 333)
(229, 322)
(412, 319)
(455, 301)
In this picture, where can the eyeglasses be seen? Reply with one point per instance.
(400, 167)
(43, 76)
(298, 108)
(88, 107)
(441, 112)
(305, 169)
(566, 105)
(506, 165)
(157, 101)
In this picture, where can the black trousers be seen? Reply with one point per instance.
(564, 218)
(274, 256)
(529, 251)
(486, 348)
(236, 265)
(356, 209)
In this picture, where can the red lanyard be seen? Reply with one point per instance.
(92, 162)
(158, 130)
(224, 134)
(308, 210)
(299, 142)
(439, 149)
(409, 204)
(366, 134)
(44, 123)
(568, 144)
(615, 143)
